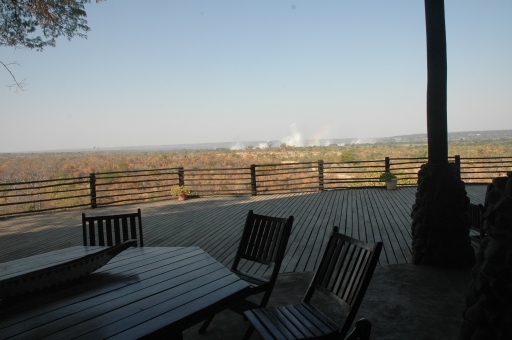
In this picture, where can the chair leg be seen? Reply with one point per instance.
(177, 336)
(362, 330)
(205, 325)
(248, 333)
(366, 328)
(265, 298)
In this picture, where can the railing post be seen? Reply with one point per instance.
(457, 161)
(253, 180)
(181, 177)
(387, 164)
(92, 187)
(320, 175)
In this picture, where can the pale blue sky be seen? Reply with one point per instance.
(175, 72)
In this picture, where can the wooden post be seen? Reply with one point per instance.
(387, 166)
(181, 177)
(457, 161)
(437, 126)
(253, 180)
(320, 175)
(92, 187)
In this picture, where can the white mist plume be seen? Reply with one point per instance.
(295, 137)
(320, 143)
(363, 141)
(237, 146)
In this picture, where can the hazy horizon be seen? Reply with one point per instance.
(167, 73)
(292, 140)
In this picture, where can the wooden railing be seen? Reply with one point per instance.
(44, 195)
(100, 189)
(131, 186)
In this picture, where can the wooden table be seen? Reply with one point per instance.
(141, 292)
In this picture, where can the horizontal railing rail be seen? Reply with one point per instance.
(107, 188)
(218, 181)
(353, 174)
(44, 195)
(286, 178)
(133, 186)
(480, 170)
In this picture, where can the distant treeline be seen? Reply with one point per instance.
(38, 166)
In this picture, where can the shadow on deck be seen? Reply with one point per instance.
(403, 301)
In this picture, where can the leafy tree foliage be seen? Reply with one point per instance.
(35, 24)
(347, 156)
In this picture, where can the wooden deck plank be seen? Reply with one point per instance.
(289, 210)
(383, 225)
(276, 208)
(321, 227)
(375, 231)
(224, 248)
(327, 227)
(403, 207)
(300, 239)
(391, 225)
(349, 227)
(186, 233)
(369, 234)
(300, 225)
(310, 232)
(476, 193)
(215, 224)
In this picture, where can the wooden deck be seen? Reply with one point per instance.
(215, 224)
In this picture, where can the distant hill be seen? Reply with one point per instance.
(405, 139)
(452, 136)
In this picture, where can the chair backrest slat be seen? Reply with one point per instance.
(262, 239)
(109, 231)
(133, 230)
(252, 238)
(475, 215)
(356, 276)
(344, 273)
(254, 250)
(101, 237)
(276, 239)
(92, 234)
(117, 231)
(124, 223)
(267, 248)
(327, 269)
(112, 229)
(342, 268)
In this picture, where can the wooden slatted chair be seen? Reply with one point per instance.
(344, 274)
(264, 240)
(477, 223)
(112, 229)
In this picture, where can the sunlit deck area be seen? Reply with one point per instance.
(215, 224)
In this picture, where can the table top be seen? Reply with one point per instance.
(140, 292)
(26, 265)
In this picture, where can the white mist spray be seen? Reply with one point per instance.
(295, 137)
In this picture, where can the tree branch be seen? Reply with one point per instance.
(17, 85)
